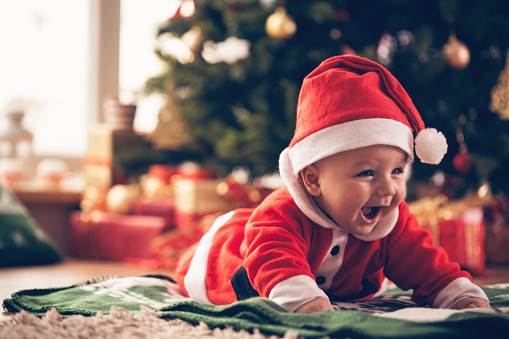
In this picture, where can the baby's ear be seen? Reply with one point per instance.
(310, 177)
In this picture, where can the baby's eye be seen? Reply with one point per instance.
(398, 170)
(368, 173)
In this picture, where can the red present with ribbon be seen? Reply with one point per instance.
(110, 236)
(156, 206)
(463, 237)
(457, 226)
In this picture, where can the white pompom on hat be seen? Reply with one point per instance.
(430, 146)
(349, 102)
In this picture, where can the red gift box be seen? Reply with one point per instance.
(457, 226)
(104, 235)
(463, 237)
(155, 206)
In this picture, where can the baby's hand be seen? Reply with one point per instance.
(316, 305)
(471, 303)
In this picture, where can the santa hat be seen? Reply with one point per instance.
(349, 102)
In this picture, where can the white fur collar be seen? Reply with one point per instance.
(308, 206)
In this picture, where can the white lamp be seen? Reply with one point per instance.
(16, 142)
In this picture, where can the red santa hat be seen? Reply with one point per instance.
(349, 102)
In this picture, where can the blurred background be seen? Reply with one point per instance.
(234, 74)
(114, 92)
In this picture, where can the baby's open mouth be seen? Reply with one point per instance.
(370, 213)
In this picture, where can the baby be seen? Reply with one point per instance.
(339, 228)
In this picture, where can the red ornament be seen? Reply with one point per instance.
(342, 15)
(462, 162)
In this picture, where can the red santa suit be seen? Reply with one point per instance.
(291, 259)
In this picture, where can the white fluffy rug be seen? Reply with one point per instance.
(118, 324)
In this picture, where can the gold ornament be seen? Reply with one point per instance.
(456, 53)
(280, 25)
(120, 198)
(500, 93)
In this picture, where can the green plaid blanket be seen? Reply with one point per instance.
(393, 315)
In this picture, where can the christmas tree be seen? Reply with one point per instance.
(234, 93)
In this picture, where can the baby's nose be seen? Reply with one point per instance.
(386, 188)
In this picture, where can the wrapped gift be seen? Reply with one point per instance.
(104, 235)
(156, 206)
(195, 198)
(106, 147)
(462, 236)
(457, 226)
(158, 181)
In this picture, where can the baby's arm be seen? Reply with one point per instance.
(471, 303)
(316, 305)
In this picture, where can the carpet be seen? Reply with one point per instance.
(153, 307)
(118, 323)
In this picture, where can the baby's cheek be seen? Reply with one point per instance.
(400, 192)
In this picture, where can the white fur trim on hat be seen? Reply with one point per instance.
(351, 135)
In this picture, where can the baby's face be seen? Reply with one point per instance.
(360, 187)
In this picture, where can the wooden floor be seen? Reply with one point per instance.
(494, 275)
(73, 271)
